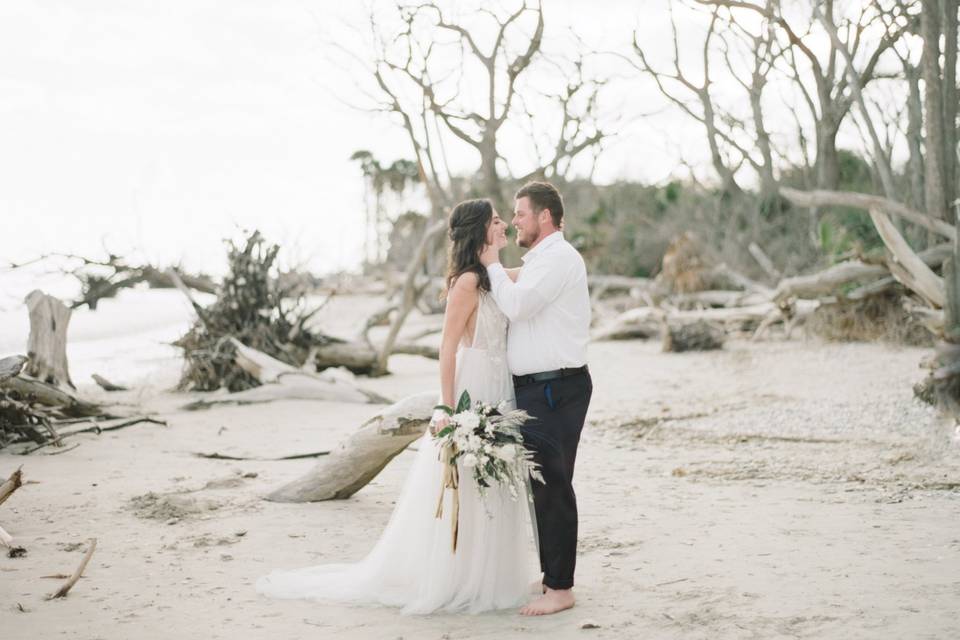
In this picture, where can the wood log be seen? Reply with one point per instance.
(47, 344)
(699, 335)
(14, 482)
(294, 386)
(647, 322)
(713, 298)
(907, 266)
(11, 366)
(763, 260)
(63, 590)
(820, 198)
(359, 458)
(65, 403)
(280, 380)
(641, 323)
(106, 385)
(828, 281)
(724, 275)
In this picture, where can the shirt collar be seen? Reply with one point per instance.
(550, 240)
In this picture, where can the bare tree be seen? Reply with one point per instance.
(419, 62)
(830, 97)
(419, 72)
(726, 155)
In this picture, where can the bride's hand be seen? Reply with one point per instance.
(438, 423)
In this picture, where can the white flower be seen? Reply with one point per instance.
(470, 460)
(467, 419)
(507, 453)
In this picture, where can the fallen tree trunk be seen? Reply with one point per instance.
(649, 322)
(359, 458)
(363, 359)
(59, 402)
(278, 380)
(828, 281)
(907, 266)
(866, 202)
(47, 344)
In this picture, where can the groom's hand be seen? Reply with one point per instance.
(490, 254)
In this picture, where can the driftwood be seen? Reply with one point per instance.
(11, 366)
(297, 456)
(14, 482)
(278, 380)
(648, 322)
(106, 385)
(359, 458)
(866, 202)
(828, 281)
(715, 298)
(907, 266)
(47, 345)
(58, 401)
(63, 590)
(763, 260)
(699, 335)
(361, 358)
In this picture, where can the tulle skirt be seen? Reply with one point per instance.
(413, 564)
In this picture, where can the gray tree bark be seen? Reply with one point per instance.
(47, 344)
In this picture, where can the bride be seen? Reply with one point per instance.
(413, 565)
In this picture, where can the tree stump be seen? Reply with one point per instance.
(693, 336)
(47, 345)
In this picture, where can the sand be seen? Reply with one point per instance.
(770, 490)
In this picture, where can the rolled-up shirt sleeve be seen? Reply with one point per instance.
(539, 284)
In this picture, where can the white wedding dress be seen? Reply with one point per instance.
(413, 565)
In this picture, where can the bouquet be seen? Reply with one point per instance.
(488, 442)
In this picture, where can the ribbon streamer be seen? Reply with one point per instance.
(450, 480)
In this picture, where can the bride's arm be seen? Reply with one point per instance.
(461, 302)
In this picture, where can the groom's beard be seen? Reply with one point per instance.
(526, 241)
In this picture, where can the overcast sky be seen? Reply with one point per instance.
(158, 128)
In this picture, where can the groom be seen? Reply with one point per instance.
(549, 311)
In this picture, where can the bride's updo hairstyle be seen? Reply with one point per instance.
(468, 226)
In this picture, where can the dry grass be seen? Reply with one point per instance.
(880, 317)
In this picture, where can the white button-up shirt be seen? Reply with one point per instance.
(548, 307)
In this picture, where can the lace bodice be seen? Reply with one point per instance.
(490, 333)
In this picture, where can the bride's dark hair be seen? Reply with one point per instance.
(468, 226)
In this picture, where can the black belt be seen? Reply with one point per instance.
(544, 376)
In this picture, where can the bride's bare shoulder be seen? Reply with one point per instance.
(466, 283)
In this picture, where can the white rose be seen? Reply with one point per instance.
(467, 420)
(469, 460)
(508, 453)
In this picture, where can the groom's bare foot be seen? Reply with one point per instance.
(552, 601)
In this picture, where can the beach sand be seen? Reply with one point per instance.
(770, 490)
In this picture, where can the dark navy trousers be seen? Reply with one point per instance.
(558, 409)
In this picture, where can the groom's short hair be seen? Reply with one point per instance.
(543, 195)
